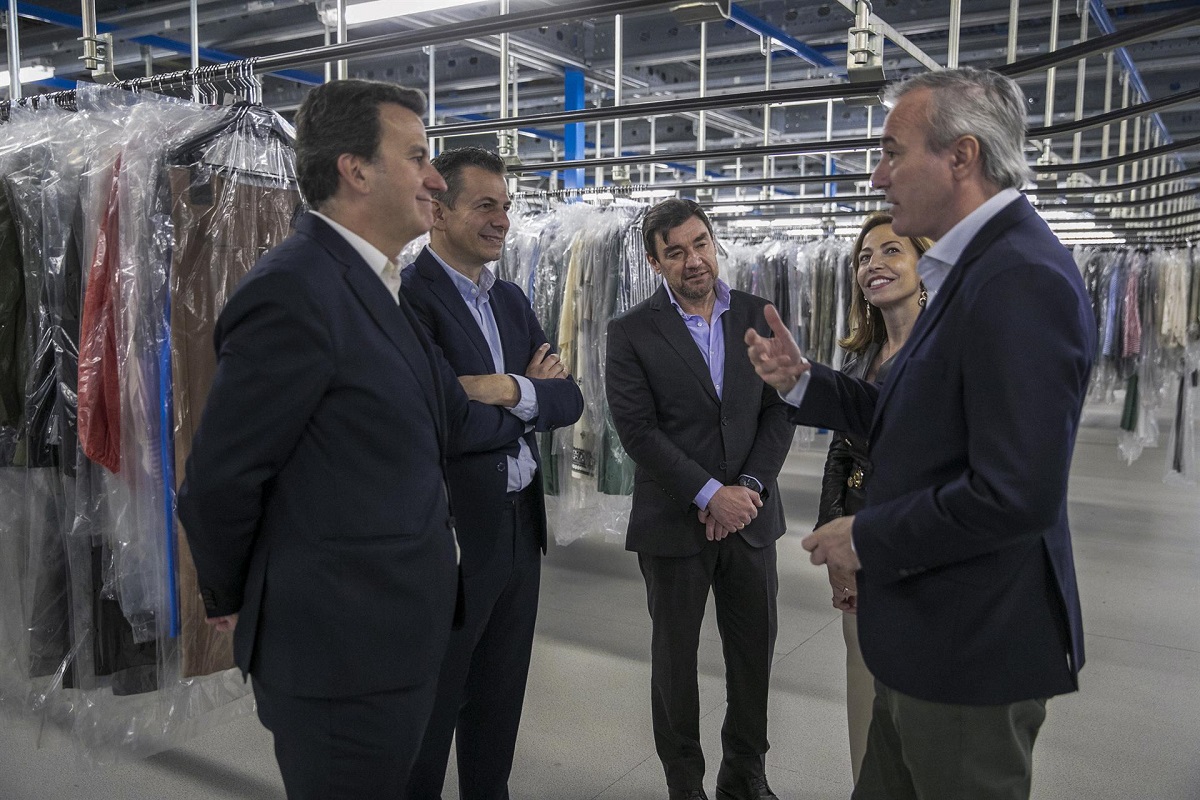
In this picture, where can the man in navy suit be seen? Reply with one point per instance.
(968, 608)
(314, 503)
(489, 334)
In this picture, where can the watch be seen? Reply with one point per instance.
(752, 483)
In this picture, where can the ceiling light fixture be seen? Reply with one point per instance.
(375, 10)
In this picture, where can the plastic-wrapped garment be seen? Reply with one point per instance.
(143, 563)
(99, 386)
(591, 244)
(1172, 266)
(1183, 449)
(224, 216)
(1193, 315)
(46, 438)
(12, 321)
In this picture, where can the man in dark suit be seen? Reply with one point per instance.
(314, 503)
(708, 438)
(968, 608)
(489, 334)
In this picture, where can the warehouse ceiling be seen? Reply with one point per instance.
(661, 62)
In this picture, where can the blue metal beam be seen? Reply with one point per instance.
(1105, 24)
(574, 99)
(52, 17)
(763, 28)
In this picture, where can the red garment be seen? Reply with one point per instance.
(99, 388)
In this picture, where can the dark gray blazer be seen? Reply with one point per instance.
(680, 434)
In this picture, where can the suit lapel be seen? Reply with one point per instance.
(448, 295)
(740, 379)
(380, 307)
(512, 336)
(673, 329)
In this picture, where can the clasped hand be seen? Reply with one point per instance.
(730, 509)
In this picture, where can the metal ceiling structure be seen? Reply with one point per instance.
(754, 104)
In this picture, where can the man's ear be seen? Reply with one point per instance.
(654, 264)
(966, 155)
(352, 169)
(439, 215)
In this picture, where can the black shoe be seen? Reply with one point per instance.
(686, 794)
(753, 787)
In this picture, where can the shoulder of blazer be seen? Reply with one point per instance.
(315, 228)
(1015, 213)
(642, 310)
(424, 269)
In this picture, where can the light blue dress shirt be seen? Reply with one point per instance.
(710, 339)
(521, 469)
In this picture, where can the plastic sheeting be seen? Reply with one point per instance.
(1145, 306)
(123, 229)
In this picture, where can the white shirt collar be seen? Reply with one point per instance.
(949, 248)
(376, 259)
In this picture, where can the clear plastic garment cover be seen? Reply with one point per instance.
(124, 226)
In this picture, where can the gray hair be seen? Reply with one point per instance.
(979, 103)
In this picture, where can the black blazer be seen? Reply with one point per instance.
(967, 593)
(672, 424)
(314, 502)
(479, 481)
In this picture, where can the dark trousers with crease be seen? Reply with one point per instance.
(345, 748)
(481, 688)
(745, 587)
(921, 750)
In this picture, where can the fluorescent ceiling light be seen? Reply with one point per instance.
(650, 194)
(1112, 240)
(38, 72)
(732, 209)
(374, 10)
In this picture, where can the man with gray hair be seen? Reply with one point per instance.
(961, 559)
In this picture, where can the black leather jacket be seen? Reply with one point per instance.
(847, 468)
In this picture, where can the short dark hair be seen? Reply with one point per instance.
(451, 163)
(670, 213)
(342, 117)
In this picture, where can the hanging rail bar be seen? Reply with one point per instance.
(1100, 44)
(662, 107)
(1135, 156)
(1119, 114)
(796, 148)
(1104, 188)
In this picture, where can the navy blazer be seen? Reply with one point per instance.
(314, 502)
(967, 593)
(679, 433)
(479, 481)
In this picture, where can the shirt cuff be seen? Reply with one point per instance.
(706, 493)
(527, 409)
(796, 395)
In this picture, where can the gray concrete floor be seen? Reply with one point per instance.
(1131, 732)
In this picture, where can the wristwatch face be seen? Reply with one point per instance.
(749, 483)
